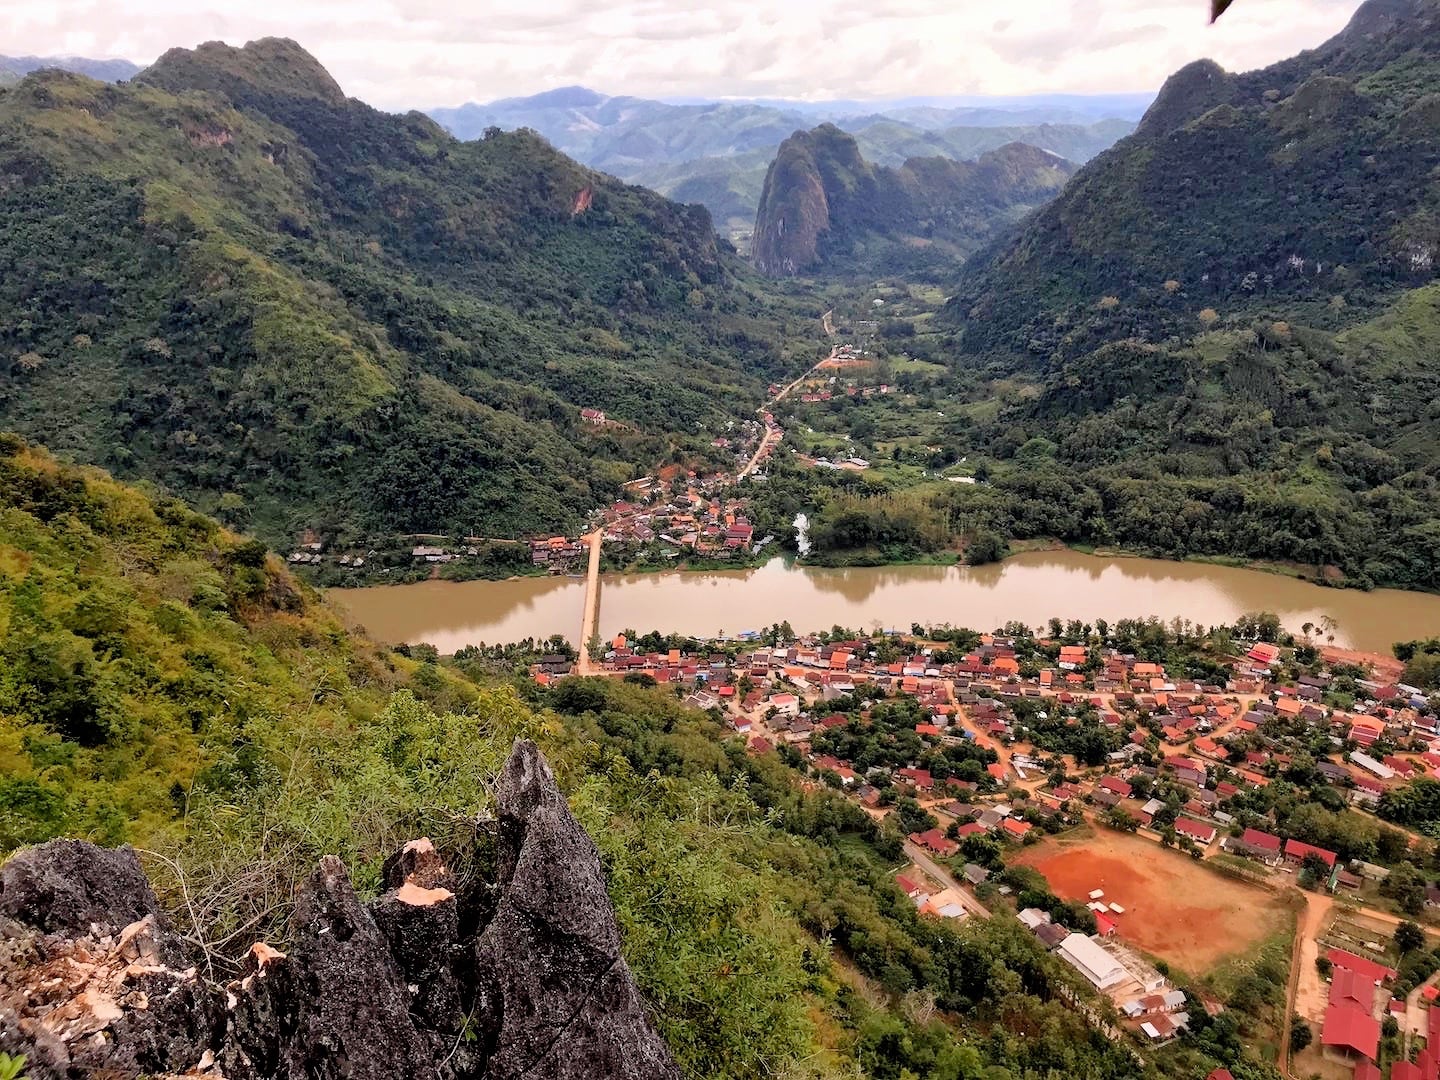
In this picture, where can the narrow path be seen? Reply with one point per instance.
(773, 432)
(826, 322)
(1303, 969)
(592, 603)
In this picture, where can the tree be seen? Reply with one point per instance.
(1409, 937)
(1406, 886)
(1313, 870)
(1300, 1034)
(986, 546)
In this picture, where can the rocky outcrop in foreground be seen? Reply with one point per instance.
(519, 976)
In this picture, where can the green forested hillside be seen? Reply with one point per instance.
(167, 684)
(1220, 338)
(1298, 184)
(298, 311)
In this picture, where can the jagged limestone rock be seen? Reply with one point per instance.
(556, 997)
(521, 976)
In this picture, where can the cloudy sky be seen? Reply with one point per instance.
(420, 53)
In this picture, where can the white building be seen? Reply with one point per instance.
(1092, 961)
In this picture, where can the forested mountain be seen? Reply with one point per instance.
(1299, 183)
(824, 208)
(716, 153)
(104, 70)
(1228, 323)
(298, 311)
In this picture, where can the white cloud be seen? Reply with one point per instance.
(417, 53)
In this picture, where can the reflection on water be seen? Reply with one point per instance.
(1030, 588)
(453, 614)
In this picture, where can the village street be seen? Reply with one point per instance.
(918, 856)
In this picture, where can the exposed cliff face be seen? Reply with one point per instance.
(520, 976)
(824, 208)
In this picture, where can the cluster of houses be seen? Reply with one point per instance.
(558, 554)
(1138, 989)
(687, 514)
(946, 903)
(1358, 998)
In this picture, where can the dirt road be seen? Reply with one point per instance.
(918, 855)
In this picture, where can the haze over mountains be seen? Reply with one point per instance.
(717, 153)
(13, 68)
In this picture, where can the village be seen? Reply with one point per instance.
(661, 517)
(1138, 795)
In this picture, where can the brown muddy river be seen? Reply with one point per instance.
(1031, 587)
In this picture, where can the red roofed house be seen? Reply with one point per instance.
(1295, 853)
(1259, 845)
(1016, 830)
(1349, 987)
(1221, 1074)
(908, 886)
(1376, 973)
(1264, 653)
(936, 841)
(1404, 1070)
(1115, 784)
(919, 779)
(1198, 831)
(1350, 1032)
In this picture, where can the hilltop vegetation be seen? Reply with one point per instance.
(298, 311)
(1287, 187)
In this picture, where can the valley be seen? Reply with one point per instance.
(587, 585)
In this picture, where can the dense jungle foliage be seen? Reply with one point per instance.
(168, 684)
(297, 311)
(1292, 185)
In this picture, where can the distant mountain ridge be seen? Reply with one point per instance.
(825, 208)
(716, 153)
(104, 70)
